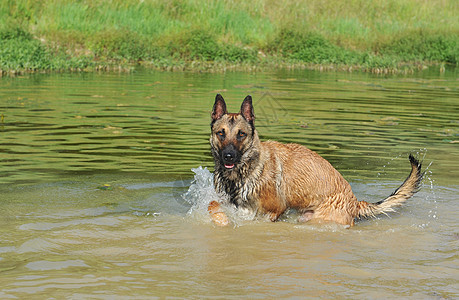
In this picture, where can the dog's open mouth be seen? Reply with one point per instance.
(229, 166)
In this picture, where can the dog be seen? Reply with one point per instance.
(269, 177)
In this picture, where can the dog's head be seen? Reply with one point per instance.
(232, 133)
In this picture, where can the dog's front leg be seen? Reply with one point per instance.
(217, 214)
(273, 216)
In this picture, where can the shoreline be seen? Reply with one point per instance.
(222, 67)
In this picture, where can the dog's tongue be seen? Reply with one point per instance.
(229, 166)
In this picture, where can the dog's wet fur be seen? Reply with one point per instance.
(270, 177)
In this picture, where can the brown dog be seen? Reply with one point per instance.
(270, 177)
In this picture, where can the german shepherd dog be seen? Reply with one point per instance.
(270, 177)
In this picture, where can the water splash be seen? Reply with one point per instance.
(427, 190)
(431, 196)
(201, 192)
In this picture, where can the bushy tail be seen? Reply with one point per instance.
(408, 188)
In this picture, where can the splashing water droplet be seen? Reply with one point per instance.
(201, 192)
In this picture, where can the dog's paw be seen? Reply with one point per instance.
(217, 214)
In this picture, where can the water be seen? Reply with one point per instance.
(95, 169)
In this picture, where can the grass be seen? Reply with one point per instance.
(367, 35)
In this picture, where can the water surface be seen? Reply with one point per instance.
(93, 169)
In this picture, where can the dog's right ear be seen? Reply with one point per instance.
(219, 108)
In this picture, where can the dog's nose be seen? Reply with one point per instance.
(229, 157)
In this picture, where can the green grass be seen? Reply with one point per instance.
(19, 51)
(368, 35)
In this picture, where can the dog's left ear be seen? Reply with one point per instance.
(247, 109)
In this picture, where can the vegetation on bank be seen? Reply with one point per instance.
(388, 35)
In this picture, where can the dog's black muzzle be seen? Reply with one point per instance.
(229, 156)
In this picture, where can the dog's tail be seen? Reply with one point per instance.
(408, 188)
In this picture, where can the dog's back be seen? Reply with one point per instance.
(300, 178)
(307, 176)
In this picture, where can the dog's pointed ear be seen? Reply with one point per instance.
(247, 109)
(219, 108)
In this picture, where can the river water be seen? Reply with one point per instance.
(95, 169)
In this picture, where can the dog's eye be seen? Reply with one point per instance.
(221, 133)
(241, 134)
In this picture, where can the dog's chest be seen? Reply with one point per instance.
(240, 192)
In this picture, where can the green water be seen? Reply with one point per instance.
(93, 168)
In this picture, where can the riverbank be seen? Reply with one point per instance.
(377, 36)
